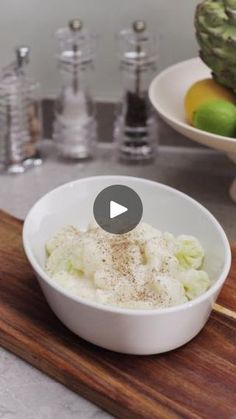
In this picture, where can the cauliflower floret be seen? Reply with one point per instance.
(63, 258)
(169, 290)
(66, 235)
(93, 255)
(189, 252)
(195, 282)
(144, 232)
(159, 254)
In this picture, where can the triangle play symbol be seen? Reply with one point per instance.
(116, 209)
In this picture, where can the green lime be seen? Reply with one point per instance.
(218, 117)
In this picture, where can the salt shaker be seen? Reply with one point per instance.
(75, 123)
(135, 129)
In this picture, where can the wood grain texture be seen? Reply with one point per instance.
(195, 381)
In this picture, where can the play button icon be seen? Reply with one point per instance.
(118, 209)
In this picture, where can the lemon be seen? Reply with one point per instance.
(205, 91)
(218, 117)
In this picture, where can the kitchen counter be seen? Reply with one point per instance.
(206, 175)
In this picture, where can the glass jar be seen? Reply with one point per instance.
(135, 130)
(75, 123)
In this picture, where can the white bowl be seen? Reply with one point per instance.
(167, 92)
(126, 330)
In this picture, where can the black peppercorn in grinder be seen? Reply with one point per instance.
(135, 130)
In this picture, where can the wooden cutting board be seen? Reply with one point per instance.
(195, 381)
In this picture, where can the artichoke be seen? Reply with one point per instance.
(215, 23)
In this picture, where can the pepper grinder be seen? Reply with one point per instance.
(75, 124)
(135, 129)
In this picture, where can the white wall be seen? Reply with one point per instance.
(34, 22)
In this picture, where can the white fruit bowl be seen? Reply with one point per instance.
(167, 92)
(125, 330)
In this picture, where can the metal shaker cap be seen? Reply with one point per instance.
(75, 25)
(139, 26)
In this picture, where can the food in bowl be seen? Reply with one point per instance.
(211, 107)
(140, 332)
(202, 92)
(210, 103)
(142, 269)
(217, 117)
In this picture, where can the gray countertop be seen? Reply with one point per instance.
(26, 393)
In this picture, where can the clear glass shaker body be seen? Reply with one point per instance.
(14, 133)
(20, 117)
(135, 130)
(75, 124)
